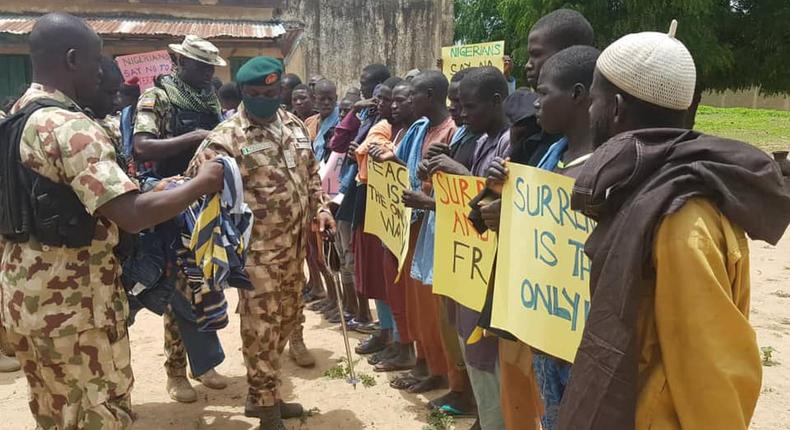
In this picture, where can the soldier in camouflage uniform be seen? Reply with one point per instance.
(283, 189)
(63, 307)
(7, 361)
(171, 120)
(101, 108)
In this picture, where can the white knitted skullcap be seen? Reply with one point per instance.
(653, 67)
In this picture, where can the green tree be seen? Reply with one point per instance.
(736, 43)
(478, 21)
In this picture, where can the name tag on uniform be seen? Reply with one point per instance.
(303, 144)
(298, 133)
(255, 147)
(290, 161)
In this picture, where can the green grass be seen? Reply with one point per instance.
(769, 130)
(438, 420)
(343, 371)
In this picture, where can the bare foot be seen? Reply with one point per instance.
(430, 383)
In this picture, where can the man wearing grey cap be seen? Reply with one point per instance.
(667, 342)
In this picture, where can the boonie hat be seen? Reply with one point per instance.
(653, 67)
(198, 49)
(260, 71)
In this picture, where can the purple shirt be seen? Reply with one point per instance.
(484, 354)
(489, 147)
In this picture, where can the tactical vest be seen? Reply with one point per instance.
(184, 120)
(31, 205)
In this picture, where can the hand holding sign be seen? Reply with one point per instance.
(443, 163)
(497, 174)
(380, 154)
(417, 200)
(437, 149)
(491, 212)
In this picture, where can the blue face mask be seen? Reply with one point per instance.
(261, 107)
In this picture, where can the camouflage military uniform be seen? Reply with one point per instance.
(64, 309)
(154, 113)
(112, 126)
(283, 189)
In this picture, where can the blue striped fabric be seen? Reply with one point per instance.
(216, 234)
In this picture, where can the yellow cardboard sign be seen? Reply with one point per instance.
(462, 258)
(459, 57)
(386, 217)
(542, 292)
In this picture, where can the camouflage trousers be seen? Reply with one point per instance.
(269, 314)
(5, 344)
(176, 353)
(78, 382)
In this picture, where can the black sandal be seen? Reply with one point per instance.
(371, 345)
(404, 382)
(387, 353)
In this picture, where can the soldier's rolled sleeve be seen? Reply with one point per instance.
(90, 165)
(149, 116)
(216, 142)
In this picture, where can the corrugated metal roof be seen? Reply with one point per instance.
(207, 29)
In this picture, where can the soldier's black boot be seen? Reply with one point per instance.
(291, 410)
(271, 418)
(287, 410)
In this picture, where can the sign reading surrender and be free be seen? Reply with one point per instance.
(462, 257)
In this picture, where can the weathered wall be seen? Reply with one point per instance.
(341, 37)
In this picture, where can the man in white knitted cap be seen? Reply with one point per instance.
(667, 344)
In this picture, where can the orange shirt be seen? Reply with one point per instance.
(379, 135)
(440, 133)
(312, 124)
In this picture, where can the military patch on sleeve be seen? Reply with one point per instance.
(147, 103)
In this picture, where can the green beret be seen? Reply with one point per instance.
(260, 71)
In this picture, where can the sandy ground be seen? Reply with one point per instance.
(380, 407)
